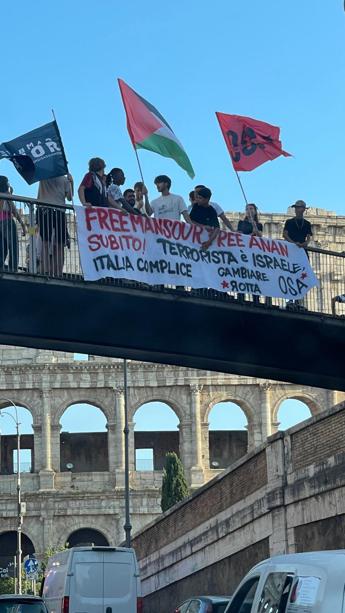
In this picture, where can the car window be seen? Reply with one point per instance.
(183, 607)
(243, 600)
(15, 606)
(275, 593)
(219, 607)
(194, 606)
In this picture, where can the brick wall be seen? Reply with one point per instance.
(318, 441)
(204, 504)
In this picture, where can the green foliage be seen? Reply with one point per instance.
(174, 486)
(7, 585)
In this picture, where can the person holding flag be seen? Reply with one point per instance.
(52, 223)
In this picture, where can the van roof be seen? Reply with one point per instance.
(100, 548)
(315, 558)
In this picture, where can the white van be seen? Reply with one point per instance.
(93, 580)
(312, 582)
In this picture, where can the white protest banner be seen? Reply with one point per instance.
(164, 251)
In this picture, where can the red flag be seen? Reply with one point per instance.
(250, 142)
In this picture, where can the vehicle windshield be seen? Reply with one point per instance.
(11, 606)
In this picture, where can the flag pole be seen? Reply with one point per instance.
(241, 186)
(63, 151)
(139, 165)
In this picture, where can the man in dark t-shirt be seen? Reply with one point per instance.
(204, 214)
(297, 229)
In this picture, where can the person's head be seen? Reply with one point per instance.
(202, 196)
(252, 212)
(163, 183)
(299, 206)
(138, 189)
(116, 176)
(4, 185)
(129, 196)
(97, 165)
(192, 196)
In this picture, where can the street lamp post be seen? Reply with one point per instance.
(19, 501)
(127, 526)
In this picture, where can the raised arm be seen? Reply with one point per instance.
(226, 221)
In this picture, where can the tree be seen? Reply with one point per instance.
(174, 486)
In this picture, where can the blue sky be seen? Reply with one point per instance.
(278, 61)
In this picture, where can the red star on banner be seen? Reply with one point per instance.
(225, 284)
(303, 275)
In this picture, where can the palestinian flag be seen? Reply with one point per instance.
(149, 130)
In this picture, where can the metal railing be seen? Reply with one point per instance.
(49, 248)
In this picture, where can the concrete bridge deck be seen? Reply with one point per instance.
(173, 327)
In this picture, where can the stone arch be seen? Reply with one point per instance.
(226, 445)
(79, 523)
(8, 455)
(80, 399)
(84, 451)
(290, 413)
(244, 405)
(146, 395)
(309, 399)
(19, 403)
(83, 536)
(155, 443)
(8, 546)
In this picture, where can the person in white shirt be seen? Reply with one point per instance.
(115, 178)
(218, 210)
(167, 206)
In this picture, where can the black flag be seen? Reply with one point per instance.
(37, 155)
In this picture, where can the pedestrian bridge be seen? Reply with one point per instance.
(50, 309)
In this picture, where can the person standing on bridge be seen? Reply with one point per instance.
(216, 207)
(92, 190)
(116, 178)
(250, 224)
(167, 206)
(52, 223)
(204, 214)
(298, 230)
(8, 228)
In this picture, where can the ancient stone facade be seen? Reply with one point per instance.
(59, 502)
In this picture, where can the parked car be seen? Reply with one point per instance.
(21, 603)
(204, 604)
(312, 582)
(92, 580)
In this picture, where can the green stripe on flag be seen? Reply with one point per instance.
(170, 149)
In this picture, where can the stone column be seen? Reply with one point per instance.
(266, 418)
(197, 474)
(131, 442)
(120, 424)
(111, 438)
(119, 437)
(46, 472)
